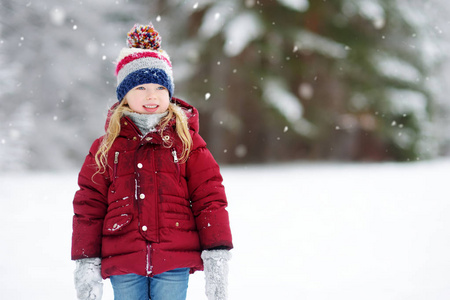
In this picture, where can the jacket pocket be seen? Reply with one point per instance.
(116, 225)
(179, 221)
(118, 217)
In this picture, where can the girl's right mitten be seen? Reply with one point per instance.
(88, 279)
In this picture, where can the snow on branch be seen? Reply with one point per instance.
(306, 40)
(241, 31)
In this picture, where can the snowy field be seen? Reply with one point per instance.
(301, 231)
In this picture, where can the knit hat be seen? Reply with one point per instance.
(143, 62)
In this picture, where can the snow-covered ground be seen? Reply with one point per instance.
(301, 231)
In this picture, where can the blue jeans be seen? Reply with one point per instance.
(170, 285)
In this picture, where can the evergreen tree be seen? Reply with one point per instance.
(279, 80)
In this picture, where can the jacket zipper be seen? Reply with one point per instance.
(149, 260)
(175, 160)
(174, 154)
(155, 196)
(116, 161)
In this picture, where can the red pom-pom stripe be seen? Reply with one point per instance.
(139, 55)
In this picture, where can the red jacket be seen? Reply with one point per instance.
(148, 213)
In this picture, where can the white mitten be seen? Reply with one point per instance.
(88, 279)
(216, 273)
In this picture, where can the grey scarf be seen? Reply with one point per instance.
(146, 122)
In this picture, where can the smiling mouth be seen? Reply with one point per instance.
(151, 106)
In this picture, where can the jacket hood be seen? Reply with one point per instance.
(190, 111)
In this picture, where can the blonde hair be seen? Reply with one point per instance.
(113, 130)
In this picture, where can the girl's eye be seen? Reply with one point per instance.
(140, 88)
(160, 88)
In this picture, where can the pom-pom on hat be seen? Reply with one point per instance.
(143, 61)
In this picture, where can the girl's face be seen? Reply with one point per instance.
(149, 98)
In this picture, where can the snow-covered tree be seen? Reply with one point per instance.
(62, 54)
(283, 79)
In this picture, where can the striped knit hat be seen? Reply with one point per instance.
(143, 62)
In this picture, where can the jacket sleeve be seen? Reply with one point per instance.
(208, 197)
(89, 205)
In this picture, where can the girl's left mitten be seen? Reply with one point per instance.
(88, 279)
(216, 273)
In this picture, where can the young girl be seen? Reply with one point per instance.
(151, 207)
